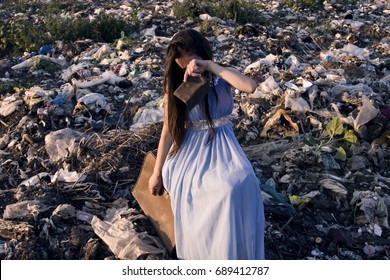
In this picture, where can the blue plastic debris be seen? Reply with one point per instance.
(46, 50)
(271, 191)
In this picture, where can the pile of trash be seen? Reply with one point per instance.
(76, 120)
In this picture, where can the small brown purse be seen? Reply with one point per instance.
(192, 91)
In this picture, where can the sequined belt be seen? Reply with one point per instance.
(199, 125)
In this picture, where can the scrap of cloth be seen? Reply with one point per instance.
(214, 192)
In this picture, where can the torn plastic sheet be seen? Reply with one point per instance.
(267, 89)
(65, 211)
(30, 182)
(385, 80)
(4, 141)
(107, 77)
(35, 95)
(353, 50)
(68, 73)
(377, 229)
(334, 186)
(373, 205)
(268, 61)
(296, 104)
(31, 62)
(366, 113)
(90, 83)
(150, 31)
(354, 90)
(24, 208)
(294, 63)
(355, 25)
(312, 92)
(60, 144)
(208, 18)
(346, 120)
(102, 51)
(94, 101)
(361, 53)
(67, 176)
(120, 236)
(348, 50)
(84, 216)
(80, 92)
(147, 116)
(9, 105)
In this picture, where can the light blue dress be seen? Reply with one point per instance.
(215, 196)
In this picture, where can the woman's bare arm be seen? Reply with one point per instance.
(155, 181)
(234, 77)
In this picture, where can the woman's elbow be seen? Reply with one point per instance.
(252, 86)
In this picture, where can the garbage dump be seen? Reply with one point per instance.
(77, 118)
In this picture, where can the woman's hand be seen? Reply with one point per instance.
(155, 184)
(195, 68)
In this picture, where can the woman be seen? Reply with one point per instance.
(216, 200)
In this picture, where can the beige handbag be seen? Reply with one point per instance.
(156, 208)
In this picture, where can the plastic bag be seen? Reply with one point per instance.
(124, 241)
(61, 143)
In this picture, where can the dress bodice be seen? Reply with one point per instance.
(220, 101)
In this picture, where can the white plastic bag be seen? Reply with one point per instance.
(61, 143)
(120, 236)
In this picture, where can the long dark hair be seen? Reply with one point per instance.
(186, 42)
